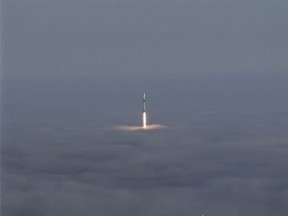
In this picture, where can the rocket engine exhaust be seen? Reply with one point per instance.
(144, 120)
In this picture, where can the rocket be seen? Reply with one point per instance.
(144, 118)
(144, 103)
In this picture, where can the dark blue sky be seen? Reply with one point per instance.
(214, 72)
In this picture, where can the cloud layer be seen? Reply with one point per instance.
(180, 171)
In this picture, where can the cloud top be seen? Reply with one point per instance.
(139, 128)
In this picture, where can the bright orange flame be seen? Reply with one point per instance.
(144, 120)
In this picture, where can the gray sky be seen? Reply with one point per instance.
(214, 72)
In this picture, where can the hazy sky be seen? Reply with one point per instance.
(215, 72)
